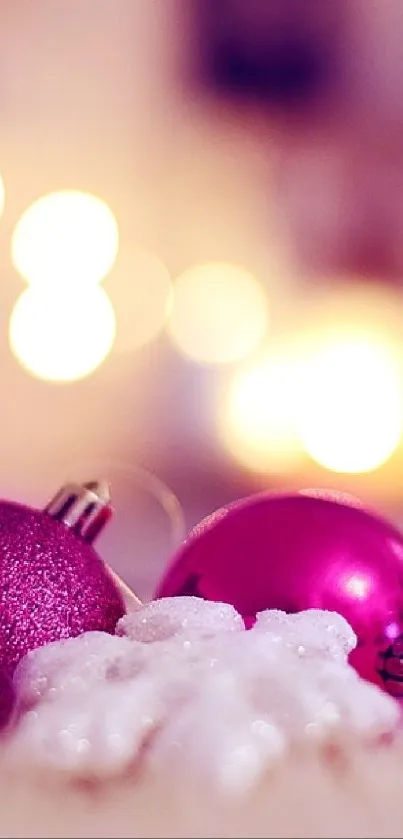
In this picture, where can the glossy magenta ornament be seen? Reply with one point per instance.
(53, 584)
(298, 552)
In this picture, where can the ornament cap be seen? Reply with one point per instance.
(85, 508)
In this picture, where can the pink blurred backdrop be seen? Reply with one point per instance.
(119, 99)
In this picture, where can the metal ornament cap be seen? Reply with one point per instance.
(85, 508)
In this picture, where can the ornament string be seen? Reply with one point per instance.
(143, 479)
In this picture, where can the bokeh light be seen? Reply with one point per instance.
(338, 400)
(141, 293)
(65, 238)
(258, 421)
(62, 336)
(351, 416)
(219, 313)
(372, 311)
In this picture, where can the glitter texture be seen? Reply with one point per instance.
(203, 698)
(53, 585)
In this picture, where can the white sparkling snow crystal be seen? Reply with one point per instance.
(162, 619)
(183, 678)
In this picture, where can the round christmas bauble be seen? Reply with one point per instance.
(53, 584)
(306, 551)
(7, 698)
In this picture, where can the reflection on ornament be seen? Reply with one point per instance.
(301, 552)
(54, 584)
(390, 663)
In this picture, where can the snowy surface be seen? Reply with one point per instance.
(184, 686)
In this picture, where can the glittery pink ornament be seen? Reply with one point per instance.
(53, 584)
(302, 552)
(7, 698)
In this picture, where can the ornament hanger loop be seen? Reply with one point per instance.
(140, 477)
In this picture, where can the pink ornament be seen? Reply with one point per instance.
(7, 698)
(302, 552)
(53, 584)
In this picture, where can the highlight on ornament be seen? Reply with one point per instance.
(65, 239)
(299, 552)
(219, 313)
(62, 335)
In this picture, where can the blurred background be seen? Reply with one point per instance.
(201, 256)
